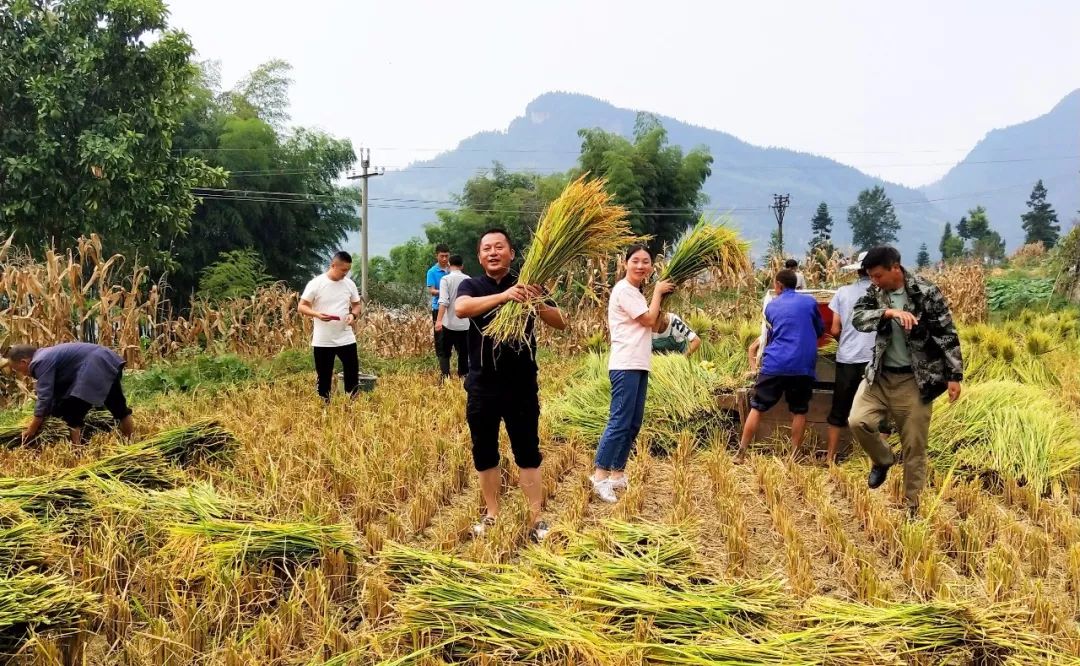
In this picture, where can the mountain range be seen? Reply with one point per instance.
(998, 173)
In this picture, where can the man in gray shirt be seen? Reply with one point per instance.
(854, 350)
(454, 329)
(70, 379)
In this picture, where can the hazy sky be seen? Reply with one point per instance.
(901, 89)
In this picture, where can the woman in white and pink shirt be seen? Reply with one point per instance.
(630, 319)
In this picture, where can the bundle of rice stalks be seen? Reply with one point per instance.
(581, 223)
(232, 542)
(681, 398)
(55, 430)
(46, 498)
(936, 630)
(642, 550)
(178, 505)
(205, 439)
(36, 602)
(707, 246)
(503, 620)
(133, 464)
(24, 543)
(1009, 430)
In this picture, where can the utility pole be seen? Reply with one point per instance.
(364, 175)
(779, 205)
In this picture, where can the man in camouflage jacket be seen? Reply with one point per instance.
(916, 359)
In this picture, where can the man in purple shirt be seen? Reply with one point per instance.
(70, 379)
(787, 365)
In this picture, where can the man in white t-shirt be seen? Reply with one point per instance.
(332, 301)
(454, 329)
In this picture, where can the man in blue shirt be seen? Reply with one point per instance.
(787, 365)
(435, 274)
(70, 379)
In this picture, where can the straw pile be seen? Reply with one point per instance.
(205, 439)
(586, 605)
(681, 398)
(55, 430)
(581, 224)
(37, 602)
(230, 543)
(1015, 431)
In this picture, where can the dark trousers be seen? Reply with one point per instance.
(455, 341)
(437, 336)
(324, 368)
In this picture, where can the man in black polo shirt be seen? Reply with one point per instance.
(501, 384)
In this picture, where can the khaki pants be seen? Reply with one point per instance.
(896, 396)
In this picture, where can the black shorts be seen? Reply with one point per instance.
(73, 411)
(519, 408)
(848, 378)
(796, 389)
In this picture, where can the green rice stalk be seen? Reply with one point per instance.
(55, 430)
(25, 543)
(682, 398)
(1008, 429)
(177, 505)
(133, 464)
(47, 498)
(231, 542)
(205, 439)
(37, 602)
(582, 223)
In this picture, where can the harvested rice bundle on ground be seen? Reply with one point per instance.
(231, 542)
(557, 608)
(682, 397)
(582, 223)
(46, 498)
(1008, 430)
(919, 631)
(55, 430)
(24, 543)
(707, 246)
(134, 465)
(36, 602)
(166, 507)
(205, 439)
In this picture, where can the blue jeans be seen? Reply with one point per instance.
(628, 389)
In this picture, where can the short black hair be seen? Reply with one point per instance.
(791, 263)
(787, 278)
(884, 256)
(496, 230)
(442, 247)
(20, 353)
(638, 247)
(343, 256)
(456, 260)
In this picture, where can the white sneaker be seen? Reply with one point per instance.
(621, 483)
(604, 490)
(480, 528)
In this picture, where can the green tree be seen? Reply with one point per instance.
(986, 244)
(282, 198)
(1041, 221)
(236, 274)
(658, 183)
(776, 249)
(950, 246)
(91, 94)
(513, 201)
(821, 228)
(923, 258)
(873, 219)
